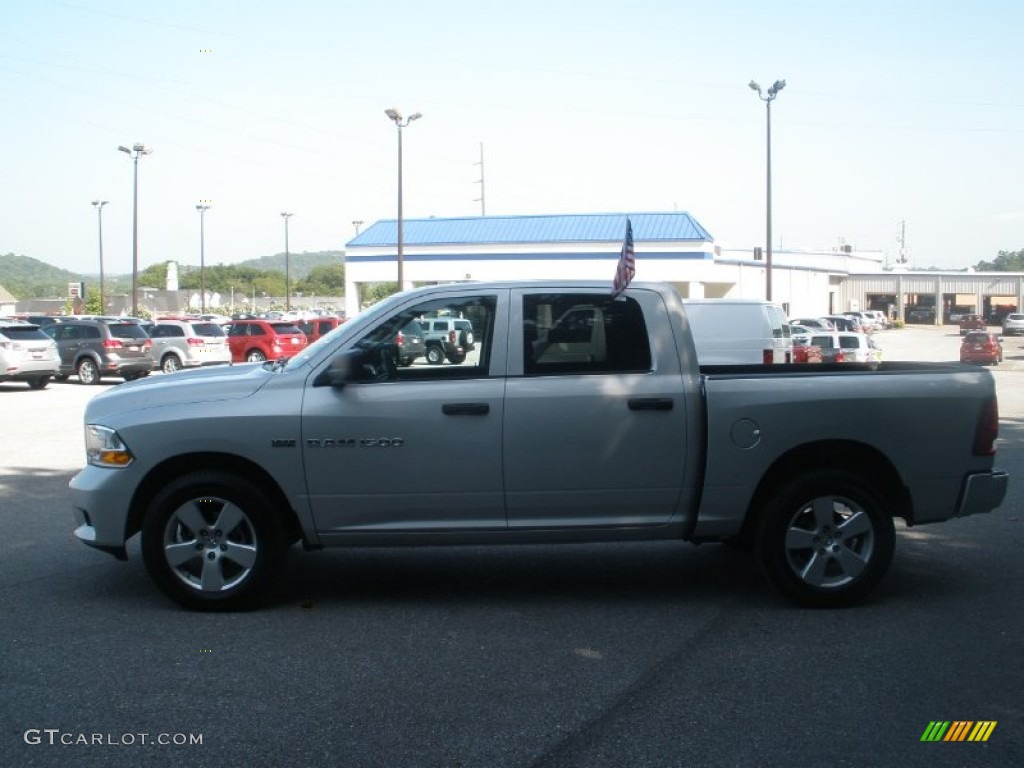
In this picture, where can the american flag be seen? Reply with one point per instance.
(627, 262)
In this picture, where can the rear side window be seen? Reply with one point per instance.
(286, 329)
(849, 342)
(23, 333)
(127, 331)
(207, 329)
(583, 333)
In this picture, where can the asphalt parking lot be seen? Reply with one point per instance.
(662, 654)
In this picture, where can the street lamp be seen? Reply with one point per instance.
(99, 216)
(768, 98)
(202, 257)
(287, 264)
(396, 116)
(138, 149)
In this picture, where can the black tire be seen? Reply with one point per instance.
(825, 540)
(466, 339)
(88, 372)
(205, 567)
(457, 359)
(39, 382)
(255, 356)
(170, 364)
(435, 355)
(61, 377)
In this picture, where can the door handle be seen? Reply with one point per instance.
(651, 403)
(465, 409)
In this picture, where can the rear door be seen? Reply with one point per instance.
(595, 423)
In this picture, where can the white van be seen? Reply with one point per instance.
(739, 331)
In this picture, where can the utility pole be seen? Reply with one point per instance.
(482, 198)
(902, 240)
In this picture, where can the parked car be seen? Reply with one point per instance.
(816, 323)
(411, 343)
(846, 323)
(92, 349)
(843, 347)
(1013, 324)
(972, 323)
(181, 344)
(981, 347)
(27, 354)
(867, 321)
(881, 319)
(447, 338)
(318, 327)
(924, 315)
(255, 340)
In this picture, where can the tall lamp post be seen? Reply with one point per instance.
(396, 116)
(768, 98)
(287, 264)
(138, 149)
(202, 257)
(99, 216)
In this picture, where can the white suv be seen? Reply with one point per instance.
(447, 337)
(1013, 324)
(181, 344)
(27, 354)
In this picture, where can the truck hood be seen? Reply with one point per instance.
(222, 382)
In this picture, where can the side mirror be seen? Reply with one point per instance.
(360, 364)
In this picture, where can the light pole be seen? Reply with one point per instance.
(99, 216)
(287, 264)
(768, 98)
(202, 257)
(138, 149)
(396, 116)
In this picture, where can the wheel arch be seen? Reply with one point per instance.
(248, 471)
(858, 458)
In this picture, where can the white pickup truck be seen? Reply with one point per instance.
(576, 417)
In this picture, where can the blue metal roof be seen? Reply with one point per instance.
(574, 228)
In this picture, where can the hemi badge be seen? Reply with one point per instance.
(282, 443)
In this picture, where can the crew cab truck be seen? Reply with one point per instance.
(578, 416)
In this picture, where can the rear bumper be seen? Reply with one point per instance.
(982, 492)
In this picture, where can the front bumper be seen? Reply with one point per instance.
(982, 492)
(100, 500)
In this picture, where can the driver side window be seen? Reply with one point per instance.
(437, 339)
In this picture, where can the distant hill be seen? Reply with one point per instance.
(26, 277)
(301, 263)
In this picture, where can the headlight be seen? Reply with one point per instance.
(103, 447)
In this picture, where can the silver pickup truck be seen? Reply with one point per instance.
(576, 417)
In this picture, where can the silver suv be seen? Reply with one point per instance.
(181, 344)
(447, 337)
(27, 354)
(1013, 324)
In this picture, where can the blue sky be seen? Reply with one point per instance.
(893, 111)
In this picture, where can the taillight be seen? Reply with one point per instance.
(147, 344)
(194, 342)
(768, 356)
(399, 338)
(112, 344)
(987, 428)
(451, 336)
(840, 356)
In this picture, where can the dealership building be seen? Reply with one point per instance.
(670, 247)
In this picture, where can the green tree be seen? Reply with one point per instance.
(1006, 261)
(324, 280)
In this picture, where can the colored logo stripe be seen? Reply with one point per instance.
(958, 730)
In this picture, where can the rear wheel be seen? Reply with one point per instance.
(213, 541)
(88, 373)
(825, 540)
(435, 355)
(255, 356)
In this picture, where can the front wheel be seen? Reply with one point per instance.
(170, 364)
(39, 382)
(213, 542)
(825, 540)
(435, 355)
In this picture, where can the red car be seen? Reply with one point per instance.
(255, 340)
(981, 347)
(972, 323)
